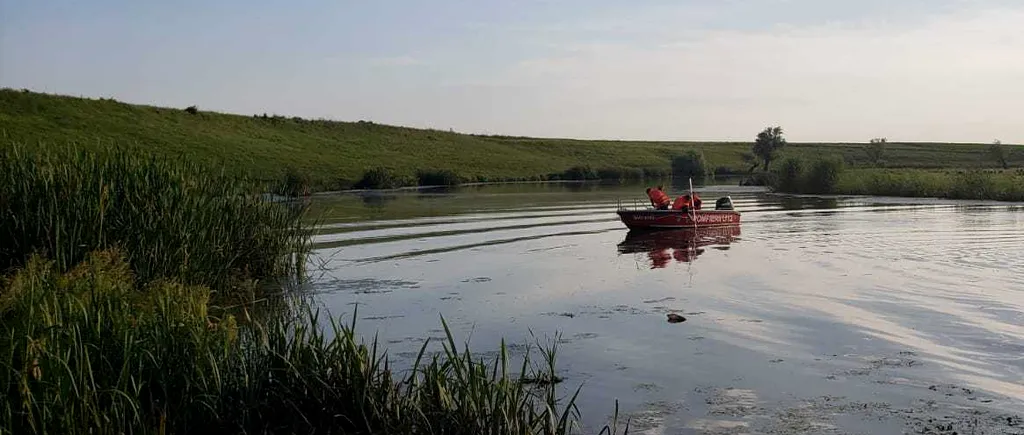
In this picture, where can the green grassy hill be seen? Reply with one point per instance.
(335, 154)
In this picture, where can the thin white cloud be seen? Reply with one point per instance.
(956, 77)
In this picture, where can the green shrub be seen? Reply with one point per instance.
(655, 172)
(789, 175)
(579, 173)
(294, 183)
(724, 171)
(760, 179)
(171, 218)
(381, 178)
(438, 177)
(824, 175)
(620, 173)
(340, 184)
(691, 164)
(794, 175)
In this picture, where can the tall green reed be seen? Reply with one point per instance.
(86, 352)
(171, 218)
(964, 184)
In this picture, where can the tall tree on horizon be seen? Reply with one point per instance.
(768, 144)
(876, 150)
(999, 153)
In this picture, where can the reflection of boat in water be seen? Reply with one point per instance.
(682, 245)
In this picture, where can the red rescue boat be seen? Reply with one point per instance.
(638, 218)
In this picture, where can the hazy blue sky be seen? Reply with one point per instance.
(943, 70)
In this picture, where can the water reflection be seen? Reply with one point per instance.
(879, 297)
(804, 202)
(374, 200)
(683, 246)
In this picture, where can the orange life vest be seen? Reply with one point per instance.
(658, 197)
(681, 202)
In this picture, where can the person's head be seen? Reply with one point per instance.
(648, 190)
(661, 188)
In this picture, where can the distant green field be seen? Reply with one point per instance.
(336, 154)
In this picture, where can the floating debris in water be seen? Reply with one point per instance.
(675, 318)
(543, 379)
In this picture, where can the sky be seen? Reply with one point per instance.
(824, 70)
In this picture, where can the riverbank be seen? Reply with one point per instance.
(145, 295)
(299, 154)
(823, 178)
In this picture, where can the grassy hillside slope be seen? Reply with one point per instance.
(337, 153)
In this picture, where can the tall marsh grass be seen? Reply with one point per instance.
(106, 325)
(964, 184)
(826, 176)
(171, 218)
(86, 352)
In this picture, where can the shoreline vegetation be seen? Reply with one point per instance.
(295, 156)
(829, 176)
(146, 284)
(137, 295)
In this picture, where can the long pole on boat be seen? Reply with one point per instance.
(692, 248)
(693, 211)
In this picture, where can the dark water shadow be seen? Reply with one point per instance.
(375, 200)
(805, 202)
(433, 192)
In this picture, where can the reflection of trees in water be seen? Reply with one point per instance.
(802, 202)
(582, 187)
(682, 185)
(435, 193)
(376, 200)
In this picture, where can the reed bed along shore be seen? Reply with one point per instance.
(87, 352)
(998, 185)
(830, 176)
(119, 314)
(170, 218)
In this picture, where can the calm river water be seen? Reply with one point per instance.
(817, 315)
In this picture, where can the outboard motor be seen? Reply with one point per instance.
(724, 203)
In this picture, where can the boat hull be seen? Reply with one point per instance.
(675, 219)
